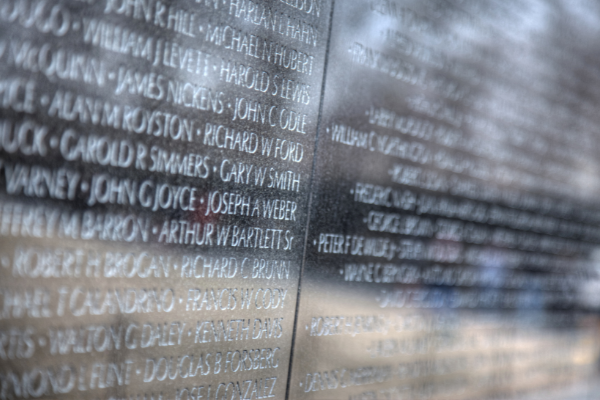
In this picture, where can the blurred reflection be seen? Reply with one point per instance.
(453, 241)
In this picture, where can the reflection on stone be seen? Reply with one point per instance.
(155, 161)
(452, 241)
(296, 199)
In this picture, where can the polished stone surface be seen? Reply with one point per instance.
(156, 159)
(302, 199)
(453, 244)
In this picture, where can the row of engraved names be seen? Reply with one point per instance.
(505, 166)
(533, 251)
(71, 378)
(61, 18)
(47, 221)
(79, 301)
(553, 162)
(467, 211)
(23, 95)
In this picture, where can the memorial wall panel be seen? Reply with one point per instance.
(156, 158)
(453, 237)
(299, 199)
